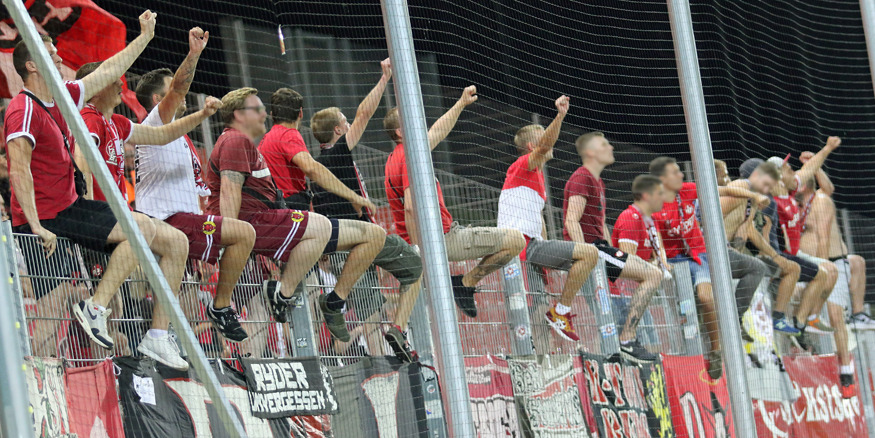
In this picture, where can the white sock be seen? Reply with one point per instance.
(812, 317)
(562, 309)
(156, 333)
(846, 369)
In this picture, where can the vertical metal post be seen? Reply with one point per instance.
(715, 240)
(863, 365)
(848, 231)
(242, 55)
(303, 337)
(517, 307)
(15, 420)
(598, 294)
(8, 241)
(686, 295)
(399, 37)
(120, 209)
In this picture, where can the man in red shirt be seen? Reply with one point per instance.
(496, 246)
(584, 212)
(241, 187)
(45, 200)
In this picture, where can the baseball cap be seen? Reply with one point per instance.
(778, 162)
(747, 168)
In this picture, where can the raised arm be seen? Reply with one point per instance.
(116, 66)
(576, 206)
(442, 127)
(320, 174)
(197, 41)
(231, 193)
(811, 167)
(368, 106)
(823, 182)
(162, 135)
(20, 151)
(542, 152)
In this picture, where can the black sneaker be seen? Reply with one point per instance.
(464, 296)
(278, 303)
(226, 321)
(398, 341)
(633, 351)
(745, 336)
(715, 365)
(334, 320)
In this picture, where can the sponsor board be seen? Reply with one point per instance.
(280, 388)
(699, 406)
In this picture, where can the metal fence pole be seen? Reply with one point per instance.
(706, 179)
(399, 37)
(517, 307)
(598, 295)
(15, 420)
(863, 366)
(686, 296)
(15, 284)
(120, 209)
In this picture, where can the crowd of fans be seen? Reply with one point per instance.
(255, 199)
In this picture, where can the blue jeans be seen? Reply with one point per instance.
(699, 273)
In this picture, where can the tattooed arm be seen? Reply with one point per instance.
(197, 41)
(231, 188)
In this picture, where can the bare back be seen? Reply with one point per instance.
(822, 216)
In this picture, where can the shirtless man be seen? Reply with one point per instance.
(821, 236)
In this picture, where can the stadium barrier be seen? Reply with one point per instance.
(519, 374)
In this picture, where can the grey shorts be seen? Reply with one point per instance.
(841, 293)
(551, 254)
(400, 259)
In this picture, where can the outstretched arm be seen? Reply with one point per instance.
(116, 66)
(823, 181)
(368, 107)
(541, 154)
(814, 164)
(197, 41)
(442, 127)
(320, 174)
(162, 135)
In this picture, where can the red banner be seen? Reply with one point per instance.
(92, 402)
(492, 403)
(700, 406)
(819, 411)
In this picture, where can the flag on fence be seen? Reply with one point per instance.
(92, 402)
(45, 389)
(492, 403)
(700, 405)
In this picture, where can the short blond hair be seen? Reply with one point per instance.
(525, 135)
(323, 123)
(392, 122)
(583, 141)
(233, 101)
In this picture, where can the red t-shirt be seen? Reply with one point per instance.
(788, 216)
(519, 175)
(396, 182)
(583, 183)
(50, 164)
(631, 227)
(278, 147)
(111, 136)
(679, 233)
(235, 151)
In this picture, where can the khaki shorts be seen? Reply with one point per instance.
(471, 243)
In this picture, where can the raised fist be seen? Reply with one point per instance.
(147, 23)
(197, 40)
(805, 156)
(833, 142)
(562, 104)
(211, 105)
(386, 66)
(469, 95)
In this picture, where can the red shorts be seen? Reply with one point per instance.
(204, 234)
(277, 232)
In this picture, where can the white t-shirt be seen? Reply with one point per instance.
(522, 199)
(165, 176)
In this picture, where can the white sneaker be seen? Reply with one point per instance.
(164, 350)
(93, 321)
(861, 321)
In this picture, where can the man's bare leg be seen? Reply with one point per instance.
(787, 285)
(857, 283)
(816, 292)
(585, 258)
(306, 253)
(649, 278)
(409, 294)
(172, 246)
(513, 245)
(364, 241)
(238, 238)
(122, 261)
(708, 310)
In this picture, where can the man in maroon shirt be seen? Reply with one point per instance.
(45, 201)
(496, 246)
(584, 211)
(241, 187)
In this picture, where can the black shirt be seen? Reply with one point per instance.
(338, 159)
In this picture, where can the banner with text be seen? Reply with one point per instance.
(492, 403)
(627, 400)
(280, 388)
(161, 402)
(700, 406)
(48, 399)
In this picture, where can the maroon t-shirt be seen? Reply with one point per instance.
(583, 183)
(235, 151)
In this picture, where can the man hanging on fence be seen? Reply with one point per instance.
(821, 236)
(337, 138)
(684, 243)
(49, 202)
(819, 287)
(241, 186)
(496, 246)
(169, 184)
(521, 207)
(584, 213)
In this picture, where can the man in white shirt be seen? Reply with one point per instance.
(168, 186)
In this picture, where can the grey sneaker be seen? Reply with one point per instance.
(163, 349)
(334, 320)
(93, 321)
(861, 321)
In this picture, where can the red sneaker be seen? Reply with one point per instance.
(562, 324)
(849, 387)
